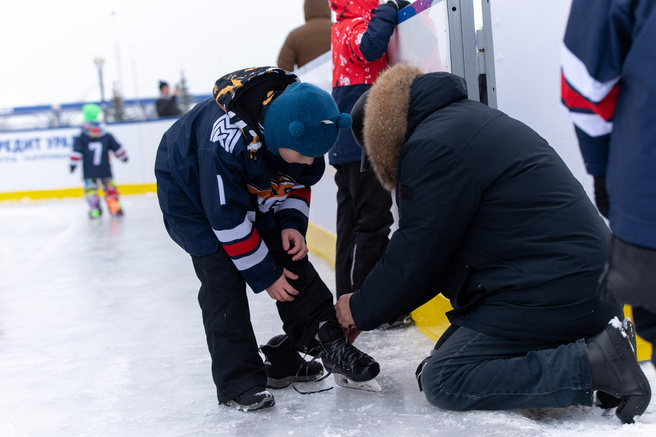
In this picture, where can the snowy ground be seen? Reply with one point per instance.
(101, 335)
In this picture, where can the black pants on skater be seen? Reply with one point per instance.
(364, 218)
(236, 363)
(645, 324)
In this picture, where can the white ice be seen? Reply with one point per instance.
(101, 335)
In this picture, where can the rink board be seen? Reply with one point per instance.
(35, 163)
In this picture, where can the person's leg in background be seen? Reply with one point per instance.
(645, 323)
(346, 222)
(92, 198)
(374, 219)
(364, 219)
(112, 196)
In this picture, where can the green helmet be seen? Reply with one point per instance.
(90, 112)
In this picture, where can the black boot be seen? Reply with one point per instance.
(615, 370)
(341, 357)
(604, 400)
(255, 398)
(284, 365)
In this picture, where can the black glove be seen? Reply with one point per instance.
(72, 168)
(601, 196)
(398, 4)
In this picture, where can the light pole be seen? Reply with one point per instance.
(99, 63)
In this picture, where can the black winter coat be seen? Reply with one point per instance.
(490, 216)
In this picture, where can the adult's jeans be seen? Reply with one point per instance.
(474, 371)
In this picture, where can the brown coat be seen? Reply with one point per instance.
(310, 40)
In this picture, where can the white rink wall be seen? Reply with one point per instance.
(38, 160)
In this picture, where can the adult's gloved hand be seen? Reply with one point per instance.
(601, 195)
(398, 4)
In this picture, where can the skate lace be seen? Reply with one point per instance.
(341, 352)
(337, 351)
(328, 372)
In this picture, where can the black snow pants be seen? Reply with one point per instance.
(236, 363)
(364, 219)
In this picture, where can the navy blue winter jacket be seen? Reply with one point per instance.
(609, 71)
(217, 183)
(489, 216)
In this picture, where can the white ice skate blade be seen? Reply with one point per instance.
(343, 381)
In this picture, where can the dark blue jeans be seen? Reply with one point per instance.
(474, 371)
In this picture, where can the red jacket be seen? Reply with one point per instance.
(350, 67)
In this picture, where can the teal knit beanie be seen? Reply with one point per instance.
(303, 118)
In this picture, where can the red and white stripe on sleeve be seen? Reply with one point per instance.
(75, 158)
(243, 244)
(297, 199)
(591, 103)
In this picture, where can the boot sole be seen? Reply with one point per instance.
(631, 405)
(330, 367)
(266, 403)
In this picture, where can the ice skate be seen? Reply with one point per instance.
(351, 367)
(343, 381)
(95, 213)
(284, 365)
(114, 207)
(256, 398)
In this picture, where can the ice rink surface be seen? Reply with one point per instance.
(101, 335)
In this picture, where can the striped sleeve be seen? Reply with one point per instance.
(121, 154)
(118, 150)
(227, 204)
(249, 254)
(593, 53)
(591, 102)
(76, 154)
(294, 211)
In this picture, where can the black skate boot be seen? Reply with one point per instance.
(615, 370)
(284, 365)
(352, 368)
(256, 398)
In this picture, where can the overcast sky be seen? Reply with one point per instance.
(47, 48)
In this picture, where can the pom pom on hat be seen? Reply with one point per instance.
(303, 118)
(90, 112)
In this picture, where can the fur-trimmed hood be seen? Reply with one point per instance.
(402, 97)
